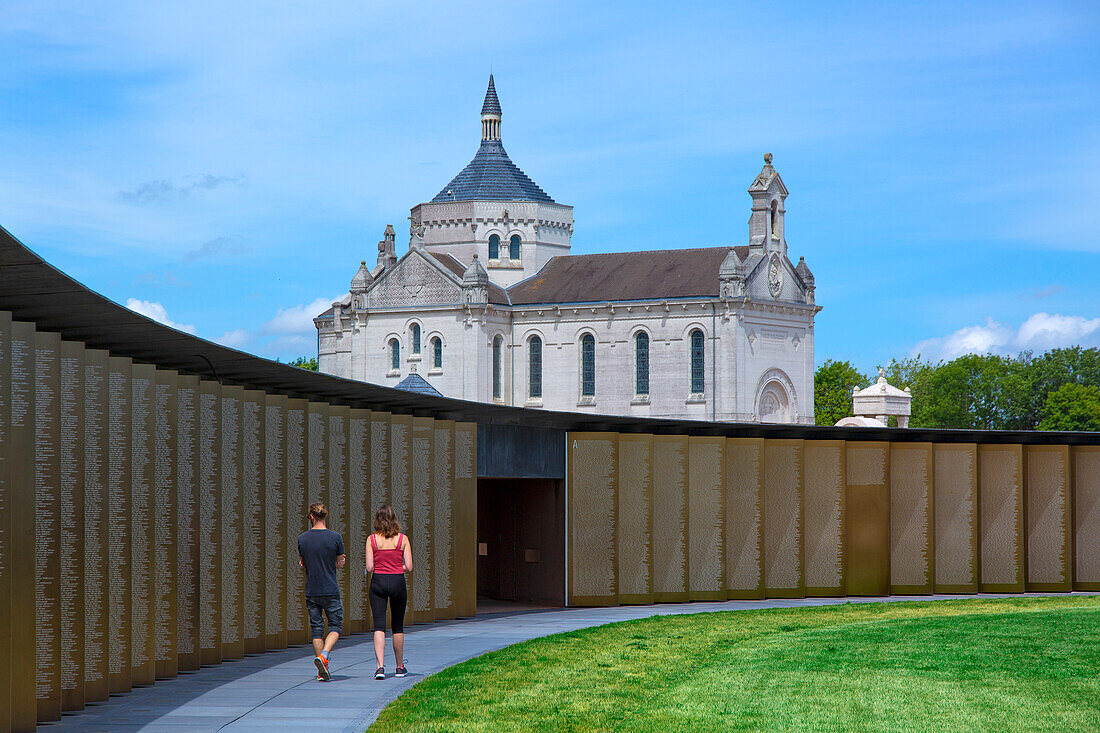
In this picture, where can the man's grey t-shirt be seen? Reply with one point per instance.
(319, 549)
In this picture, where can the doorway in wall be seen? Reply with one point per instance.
(521, 543)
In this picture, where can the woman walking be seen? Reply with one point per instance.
(389, 557)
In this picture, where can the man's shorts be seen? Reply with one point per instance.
(331, 607)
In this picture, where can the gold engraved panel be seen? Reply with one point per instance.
(670, 518)
(210, 524)
(706, 518)
(867, 538)
(465, 519)
(420, 505)
(97, 521)
(119, 534)
(783, 518)
(744, 518)
(400, 489)
(253, 535)
(635, 521)
(72, 524)
(1048, 518)
(6, 524)
(278, 556)
(232, 523)
(379, 460)
(142, 525)
(910, 518)
(592, 509)
(22, 504)
(165, 525)
(443, 551)
(1002, 525)
(1086, 517)
(188, 517)
(338, 487)
(46, 525)
(955, 498)
(360, 520)
(823, 529)
(297, 506)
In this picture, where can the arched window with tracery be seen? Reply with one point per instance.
(415, 330)
(698, 382)
(498, 347)
(494, 247)
(437, 352)
(588, 366)
(641, 363)
(395, 355)
(513, 247)
(534, 368)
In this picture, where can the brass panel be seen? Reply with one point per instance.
(464, 507)
(706, 542)
(22, 505)
(297, 506)
(592, 508)
(166, 526)
(317, 460)
(1049, 560)
(47, 524)
(670, 518)
(420, 524)
(338, 491)
(744, 518)
(188, 562)
(253, 534)
(277, 554)
(955, 499)
(634, 524)
(1000, 472)
(232, 523)
(97, 523)
(72, 524)
(443, 531)
(911, 518)
(360, 518)
(119, 531)
(379, 460)
(142, 524)
(210, 522)
(867, 542)
(6, 525)
(400, 488)
(1086, 517)
(823, 528)
(783, 519)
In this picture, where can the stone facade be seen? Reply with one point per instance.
(722, 333)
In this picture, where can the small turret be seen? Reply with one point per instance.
(490, 113)
(807, 277)
(475, 284)
(731, 276)
(387, 250)
(768, 208)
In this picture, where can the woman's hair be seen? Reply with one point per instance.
(385, 521)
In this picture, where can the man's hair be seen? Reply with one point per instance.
(318, 511)
(385, 521)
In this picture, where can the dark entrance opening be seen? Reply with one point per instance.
(521, 540)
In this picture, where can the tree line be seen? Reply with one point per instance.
(1056, 390)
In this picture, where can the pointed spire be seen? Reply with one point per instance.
(490, 114)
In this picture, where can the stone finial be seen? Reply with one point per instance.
(767, 158)
(362, 279)
(387, 248)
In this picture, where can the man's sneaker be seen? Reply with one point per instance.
(320, 678)
(401, 671)
(380, 674)
(322, 668)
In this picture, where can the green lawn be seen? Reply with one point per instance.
(971, 665)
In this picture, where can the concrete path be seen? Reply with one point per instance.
(276, 692)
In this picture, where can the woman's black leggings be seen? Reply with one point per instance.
(389, 586)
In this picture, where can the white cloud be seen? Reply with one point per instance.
(234, 339)
(298, 321)
(1040, 332)
(156, 311)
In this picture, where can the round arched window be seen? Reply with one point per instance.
(494, 247)
(513, 247)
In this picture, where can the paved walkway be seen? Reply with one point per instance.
(277, 691)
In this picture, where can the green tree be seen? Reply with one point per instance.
(1072, 407)
(833, 383)
(308, 363)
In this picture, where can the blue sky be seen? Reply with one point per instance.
(224, 166)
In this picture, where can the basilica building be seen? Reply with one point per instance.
(489, 304)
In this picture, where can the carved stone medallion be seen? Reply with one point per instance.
(775, 276)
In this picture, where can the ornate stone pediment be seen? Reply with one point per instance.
(414, 281)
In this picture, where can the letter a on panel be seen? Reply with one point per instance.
(592, 503)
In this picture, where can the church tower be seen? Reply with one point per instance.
(768, 208)
(494, 210)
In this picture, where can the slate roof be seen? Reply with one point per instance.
(491, 106)
(672, 273)
(491, 176)
(416, 383)
(497, 294)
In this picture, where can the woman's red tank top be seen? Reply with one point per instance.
(388, 562)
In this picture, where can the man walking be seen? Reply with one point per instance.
(322, 552)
